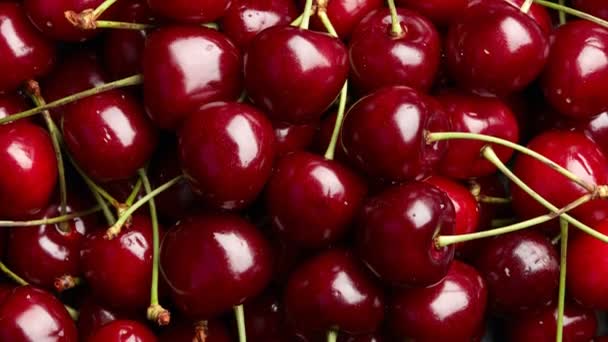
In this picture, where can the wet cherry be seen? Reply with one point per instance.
(123, 330)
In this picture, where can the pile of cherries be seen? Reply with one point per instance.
(314, 170)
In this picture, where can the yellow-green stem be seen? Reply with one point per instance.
(11, 275)
(103, 7)
(562, 280)
(525, 7)
(493, 200)
(396, 29)
(329, 27)
(331, 148)
(332, 335)
(121, 25)
(134, 192)
(562, 14)
(573, 12)
(306, 15)
(51, 220)
(93, 186)
(239, 314)
(297, 21)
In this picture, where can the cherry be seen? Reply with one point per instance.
(12, 104)
(123, 330)
(580, 325)
(521, 270)
(476, 114)
(573, 79)
(185, 332)
(495, 48)
(119, 270)
(593, 7)
(186, 67)
(292, 138)
(378, 58)
(451, 310)
(214, 262)
(264, 319)
(29, 171)
(246, 18)
(294, 75)
(596, 128)
(323, 138)
(109, 135)
(394, 120)
(396, 231)
(187, 11)
(441, 12)
(31, 314)
(25, 54)
(311, 200)
(333, 291)
(537, 12)
(5, 290)
(345, 15)
(226, 151)
(92, 317)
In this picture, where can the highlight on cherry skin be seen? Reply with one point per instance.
(303, 170)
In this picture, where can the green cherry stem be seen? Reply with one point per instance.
(331, 148)
(306, 15)
(124, 82)
(66, 282)
(332, 335)
(97, 12)
(496, 223)
(572, 12)
(562, 280)
(213, 26)
(494, 200)
(562, 14)
(51, 220)
(297, 21)
(119, 25)
(322, 14)
(12, 275)
(134, 193)
(396, 29)
(239, 315)
(87, 18)
(525, 7)
(93, 186)
(156, 313)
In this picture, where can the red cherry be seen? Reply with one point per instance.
(5, 291)
(182, 331)
(264, 319)
(537, 12)
(317, 65)
(25, 54)
(441, 12)
(29, 170)
(323, 138)
(495, 48)
(188, 11)
(12, 104)
(123, 330)
(396, 234)
(246, 18)
(109, 135)
(593, 7)
(476, 114)
(31, 314)
(521, 270)
(333, 291)
(451, 310)
(226, 151)
(379, 59)
(345, 15)
(291, 138)
(383, 134)
(92, 316)
(213, 263)
(119, 270)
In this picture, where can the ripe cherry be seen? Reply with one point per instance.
(12, 103)
(293, 138)
(123, 330)
(92, 316)
(188, 11)
(441, 12)
(537, 12)
(345, 15)
(593, 7)
(265, 319)
(184, 331)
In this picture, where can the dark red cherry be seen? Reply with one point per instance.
(119, 270)
(323, 138)
(495, 48)
(317, 65)
(226, 151)
(593, 7)
(333, 290)
(596, 128)
(396, 231)
(580, 325)
(123, 331)
(109, 135)
(5, 290)
(451, 310)
(31, 314)
(246, 18)
(345, 15)
(265, 320)
(378, 58)
(537, 12)
(92, 316)
(184, 331)
(311, 200)
(521, 270)
(188, 11)
(186, 67)
(383, 134)
(574, 78)
(476, 114)
(25, 54)
(441, 12)
(292, 138)
(12, 103)
(29, 170)
(213, 263)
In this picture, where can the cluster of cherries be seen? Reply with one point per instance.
(280, 170)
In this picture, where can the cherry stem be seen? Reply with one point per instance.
(200, 331)
(332, 335)
(239, 315)
(322, 14)
(297, 21)
(52, 220)
(213, 26)
(491, 156)
(525, 7)
(495, 223)
(134, 192)
(493, 200)
(120, 25)
(306, 15)
(331, 148)
(115, 229)
(156, 313)
(396, 29)
(74, 314)
(562, 14)
(572, 11)
(562, 280)
(11, 275)
(66, 282)
(125, 82)
(95, 189)
(103, 7)
(437, 136)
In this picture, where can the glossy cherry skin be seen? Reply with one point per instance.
(12, 104)
(451, 310)
(593, 7)
(379, 59)
(183, 331)
(482, 115)
(123, 331)
(31, 314)
(292, 138)
(537, 12)
(441, 12)
(119, 270)
(214, 262)
(92, 316)
(25, 53)
(521, 270)
(317, 65)
(265, 319)
(495, 48)
(186, 67)
(29, 170)
(333, 290)
(580, 325)
(109, 135)
(576, 153)
(345, 15)
(246, 18)
(311, 200)
(188, 11)
(394, 119)
(573, 80)
(396, 231)
(226, 151)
